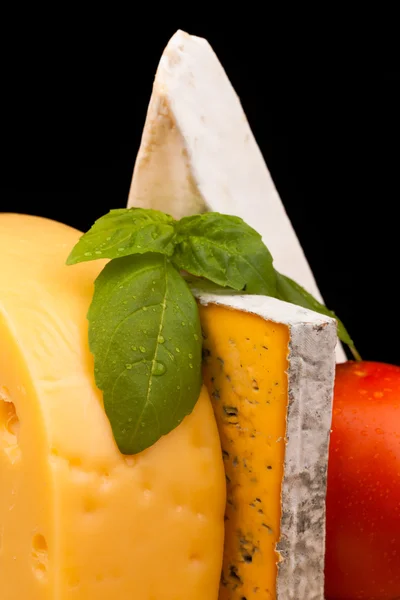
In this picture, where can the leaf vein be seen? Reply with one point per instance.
(223, 248)
(120, 325)
(163, 304)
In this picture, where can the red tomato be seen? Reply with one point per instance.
(363, 501)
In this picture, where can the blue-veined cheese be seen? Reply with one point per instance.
(269, 368)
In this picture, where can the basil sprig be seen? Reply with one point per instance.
(226, 251)
(144, 326)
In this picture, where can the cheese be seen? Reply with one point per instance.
(269, 368)
(198, 153)
(79, 521)
(268, 365)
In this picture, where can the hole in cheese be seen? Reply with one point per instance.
(40, 557)
(8, 415)
(9, 426)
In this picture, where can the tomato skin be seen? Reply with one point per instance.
(363, 498)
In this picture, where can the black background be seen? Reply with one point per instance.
(325, 118)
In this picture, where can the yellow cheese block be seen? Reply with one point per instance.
(78, 521)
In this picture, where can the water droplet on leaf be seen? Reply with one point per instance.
(159, 368)
(128, 366)
(88, 254)
(161, 339)
(177, 349)
(142, 349)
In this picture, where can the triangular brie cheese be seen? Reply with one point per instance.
(198, 153)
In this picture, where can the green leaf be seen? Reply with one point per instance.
(226, 251)
(290, 291)
(207, 287)
(126, 231)
(145, 335)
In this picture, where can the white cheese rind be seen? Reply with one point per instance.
(198, 153)
(310, 382)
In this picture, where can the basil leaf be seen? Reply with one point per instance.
(290, 291)
(144, 332)
(198, 284)
(225, 250)
(126, 231)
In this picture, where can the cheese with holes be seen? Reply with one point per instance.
(198, 153)
(78, 521)
(269, 368)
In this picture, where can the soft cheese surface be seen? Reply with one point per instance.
(78, 521)
(199, 153)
